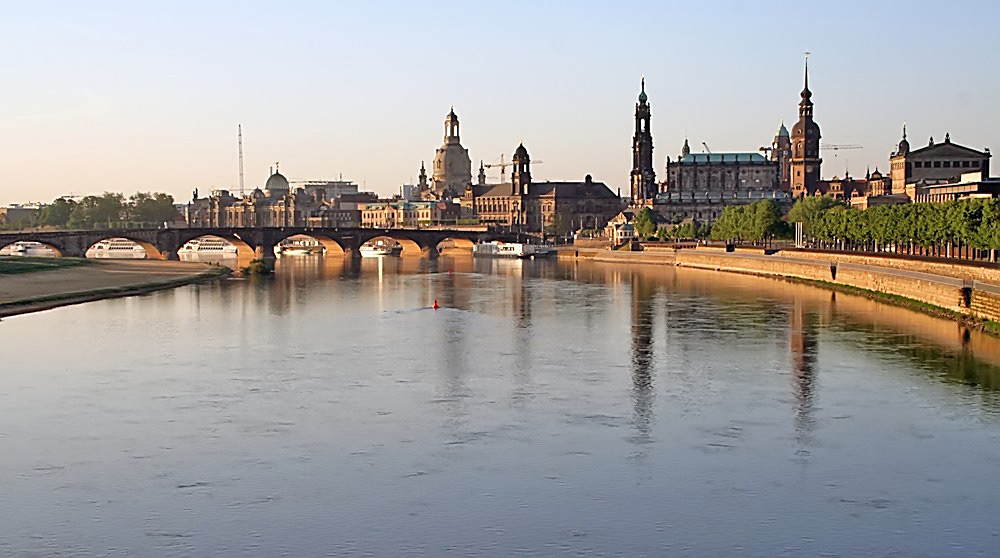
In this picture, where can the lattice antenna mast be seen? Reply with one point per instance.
(239, 140)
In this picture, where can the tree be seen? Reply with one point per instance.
(146, 207)
(56, 214)
(91, 211)
(808, 209)
(765, 220)
(644, 222)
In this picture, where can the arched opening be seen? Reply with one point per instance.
(123, 249)
(212, 248)
(412, 248)
(308, 244)
(31, 248)
(381, 246)
(459, 246)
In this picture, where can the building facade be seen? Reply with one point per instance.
(408, 214)
(277, 205)
(936, 162)
(699, 185)
(530, 206)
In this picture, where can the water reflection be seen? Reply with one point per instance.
(507, 422)
(803, 344)
(643, 395)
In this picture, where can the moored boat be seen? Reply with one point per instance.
(379, 248)
(500, 249)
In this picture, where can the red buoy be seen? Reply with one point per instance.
(436, 304)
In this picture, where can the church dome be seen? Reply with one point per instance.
(782, 131)
(521, 152)
(276, 182)
(903, 148)
(799, 129)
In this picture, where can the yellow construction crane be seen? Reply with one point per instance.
(502, 165)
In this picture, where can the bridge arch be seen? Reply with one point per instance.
(453, 243)
(57, 251)
(411, 246)
(150, 250)
(330, 246)
(243, 250)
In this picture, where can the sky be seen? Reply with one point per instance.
(146, 96)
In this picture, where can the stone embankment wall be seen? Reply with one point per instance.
(943, 285)
(959, 271)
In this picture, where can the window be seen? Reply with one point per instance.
(937, 164)
(965, 164)
(947, 164)
(975, 164)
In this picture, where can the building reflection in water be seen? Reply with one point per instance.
(643, 292)
(803, 345)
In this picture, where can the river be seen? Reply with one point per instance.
(546, 408)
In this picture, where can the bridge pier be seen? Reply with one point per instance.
(265, 253)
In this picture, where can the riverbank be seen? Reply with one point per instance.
(98, 279)
(967, 294)
(14, 265)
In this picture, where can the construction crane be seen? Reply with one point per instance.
(502, 165)
(705, 145)
(239, 141)
(837, 147)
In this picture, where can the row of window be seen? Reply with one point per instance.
(946, 164)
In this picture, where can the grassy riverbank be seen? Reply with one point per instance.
(42, 289)
(13, 265)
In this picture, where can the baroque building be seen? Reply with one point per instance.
(534, 206)
(277, 205)
(698, 186)
(805, 159)
(452, 171)
(936, 163)
(643, 177)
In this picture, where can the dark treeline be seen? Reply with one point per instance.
(142, 209)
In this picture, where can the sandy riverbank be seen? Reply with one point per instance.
(99, 279)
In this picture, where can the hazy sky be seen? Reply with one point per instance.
(138, 95)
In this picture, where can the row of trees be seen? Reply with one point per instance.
(934, 227)
(756, 222)
(108, 210)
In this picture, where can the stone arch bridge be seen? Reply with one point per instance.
(257, 242)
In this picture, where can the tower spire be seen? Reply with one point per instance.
(806, 88)
(642, 178)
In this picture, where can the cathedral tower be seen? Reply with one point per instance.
(781, 153)
(643, 177)
(805, 165)
(452, 165)
(520, 177)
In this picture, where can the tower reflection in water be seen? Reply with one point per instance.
(643, 292)
(803, 344)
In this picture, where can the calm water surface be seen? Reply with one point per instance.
(546, 409)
